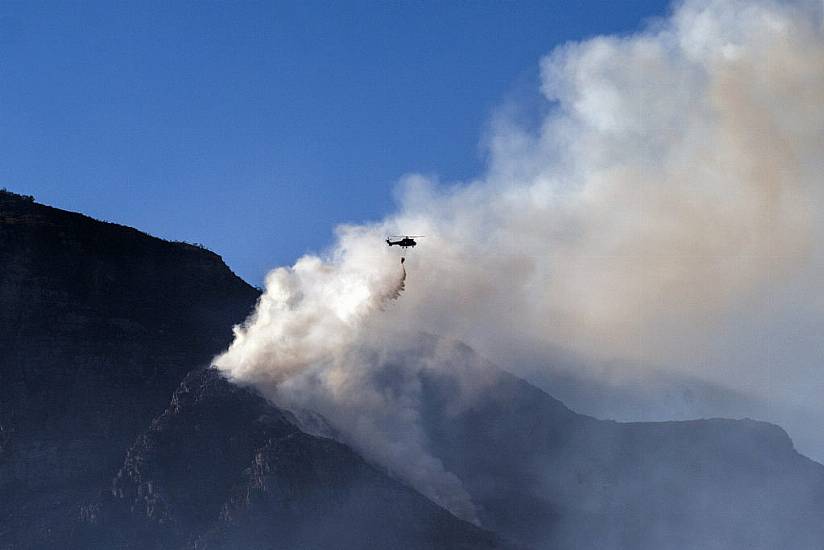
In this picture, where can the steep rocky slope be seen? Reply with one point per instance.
(222, 468)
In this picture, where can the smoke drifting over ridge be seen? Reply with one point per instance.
(668, 200)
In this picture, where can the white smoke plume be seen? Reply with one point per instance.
(663, 213)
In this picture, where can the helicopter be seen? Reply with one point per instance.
(404, 241)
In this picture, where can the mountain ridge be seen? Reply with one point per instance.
(107, 404)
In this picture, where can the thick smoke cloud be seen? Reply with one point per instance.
(660, 223)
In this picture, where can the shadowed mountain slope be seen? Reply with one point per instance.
(98, 324)
(222, 468)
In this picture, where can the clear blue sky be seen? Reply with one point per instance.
(254, 128)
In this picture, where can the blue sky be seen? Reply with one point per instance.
(255, 128)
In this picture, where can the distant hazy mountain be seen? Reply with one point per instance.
(544, 475)
(113, 435)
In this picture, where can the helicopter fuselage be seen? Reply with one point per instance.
(406, 242)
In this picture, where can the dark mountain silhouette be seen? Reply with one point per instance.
(114, 435)
(99, 325)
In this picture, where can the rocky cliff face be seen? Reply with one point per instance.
(98, 324)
